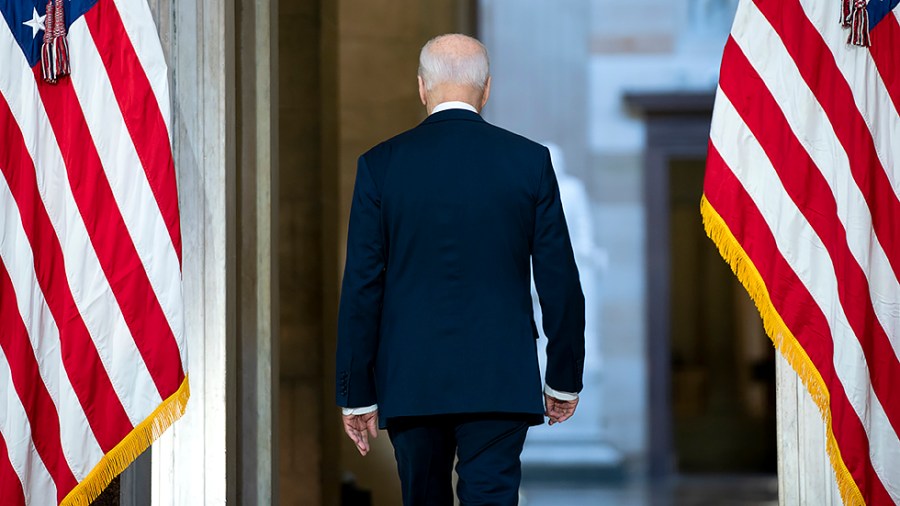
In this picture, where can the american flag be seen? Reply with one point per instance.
(802, 197)
(92, 355)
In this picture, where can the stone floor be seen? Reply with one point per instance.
(704, 490)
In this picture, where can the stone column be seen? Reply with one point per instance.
(805, 475)
(221, 86)
(256, 125)
(190, 462)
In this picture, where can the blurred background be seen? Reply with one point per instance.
(678, 406)
(679, 394)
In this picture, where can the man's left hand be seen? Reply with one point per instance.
(558, 410)
(358, 428)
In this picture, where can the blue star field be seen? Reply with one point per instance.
(25, 19)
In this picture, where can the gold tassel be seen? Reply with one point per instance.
(139, 439)
(782, 338)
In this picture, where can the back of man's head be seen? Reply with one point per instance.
(454, 59)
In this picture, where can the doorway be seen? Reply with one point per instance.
(710, 367)
(722, 363)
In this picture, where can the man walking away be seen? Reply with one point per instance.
(436, 335)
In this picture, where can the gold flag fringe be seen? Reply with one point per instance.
(782, 338)
(138, 440)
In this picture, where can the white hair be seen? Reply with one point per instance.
(437, 67)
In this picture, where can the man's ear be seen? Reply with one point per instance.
(486, 94)
(422, 90)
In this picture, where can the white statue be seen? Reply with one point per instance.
(590, 259)
(581, 440)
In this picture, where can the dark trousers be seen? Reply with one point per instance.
(487, 445)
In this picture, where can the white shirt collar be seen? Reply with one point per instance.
(454, 104)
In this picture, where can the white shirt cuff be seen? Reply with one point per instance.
(360, 411)
(556, 394)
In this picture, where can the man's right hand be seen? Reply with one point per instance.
(358, 428)
(559, 411)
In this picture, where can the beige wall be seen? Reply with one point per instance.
(347, 81)
(300, 257)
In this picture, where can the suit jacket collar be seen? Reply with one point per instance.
(453, 114)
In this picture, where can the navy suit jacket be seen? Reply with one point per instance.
(436, 313)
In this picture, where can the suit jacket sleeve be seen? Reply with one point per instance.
(558, 287)
(362, 292)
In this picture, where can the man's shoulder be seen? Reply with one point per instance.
(483, 130)
(519, 140)
(382, 150)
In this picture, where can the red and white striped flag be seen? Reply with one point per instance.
(92, 355)
(802, 197)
